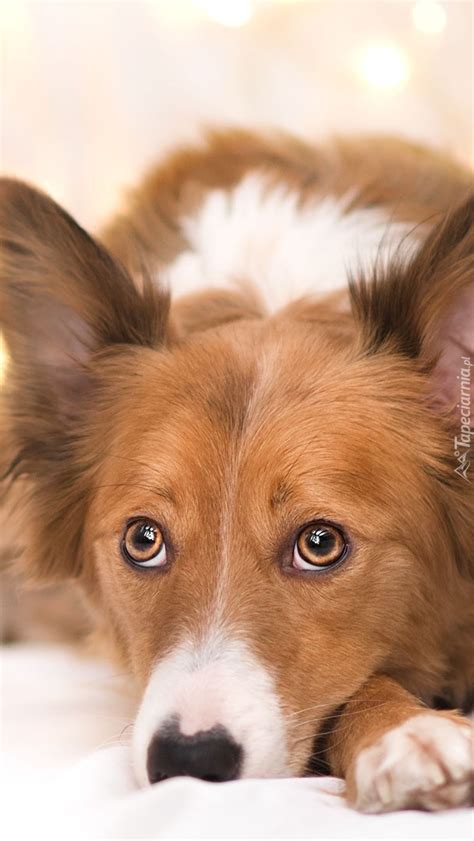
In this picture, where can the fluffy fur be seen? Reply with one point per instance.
(233, 428)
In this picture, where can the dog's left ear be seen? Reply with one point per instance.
(63, 297)
(424, 308)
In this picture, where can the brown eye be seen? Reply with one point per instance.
(143, 544)
(319, 546)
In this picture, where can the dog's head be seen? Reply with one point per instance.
(265, 511)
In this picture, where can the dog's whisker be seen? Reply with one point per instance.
(118, 739)
(341, 714)
(312, 707)
(321, 752)
(109, 717)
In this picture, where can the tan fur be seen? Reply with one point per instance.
(416, 183)
(224, 425)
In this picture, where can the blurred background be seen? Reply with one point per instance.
(94, 90)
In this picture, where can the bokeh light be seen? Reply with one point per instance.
(384, 66)
(227, 12)
(429, 17)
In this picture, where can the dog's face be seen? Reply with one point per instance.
(260, 509)
(247, 535)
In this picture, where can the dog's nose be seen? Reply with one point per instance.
(209, 755)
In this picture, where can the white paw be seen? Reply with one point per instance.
(425, 763)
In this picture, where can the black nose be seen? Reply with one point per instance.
(209, 755)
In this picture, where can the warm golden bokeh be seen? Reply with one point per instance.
(104, 88)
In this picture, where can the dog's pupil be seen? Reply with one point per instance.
(320, 541)
(144, 535)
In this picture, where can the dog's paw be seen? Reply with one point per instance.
(424, 763)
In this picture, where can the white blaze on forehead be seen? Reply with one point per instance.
(261, 233)
(216, 682)
(268, 363)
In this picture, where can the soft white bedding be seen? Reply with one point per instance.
(66, 772)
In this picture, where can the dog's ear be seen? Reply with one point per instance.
(63, 297)
(424, 307)
(63, 300)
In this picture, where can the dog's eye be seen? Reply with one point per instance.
(143, 544)
(319, 546)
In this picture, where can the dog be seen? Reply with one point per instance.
(240, 419)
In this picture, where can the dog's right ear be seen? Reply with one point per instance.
(62, 299)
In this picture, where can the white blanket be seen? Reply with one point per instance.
(66, 773)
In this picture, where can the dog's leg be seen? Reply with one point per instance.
(396, 754)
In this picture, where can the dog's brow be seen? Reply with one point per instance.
(165, 493)
(280, 494)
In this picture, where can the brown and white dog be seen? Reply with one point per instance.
(263, 490)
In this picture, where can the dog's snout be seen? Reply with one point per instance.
(209, 755)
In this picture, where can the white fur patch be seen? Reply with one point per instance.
(427, 762)
(261, 234)
(218, 681)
